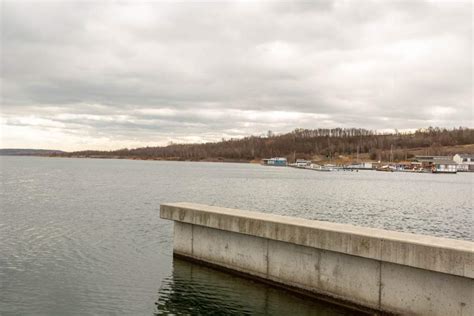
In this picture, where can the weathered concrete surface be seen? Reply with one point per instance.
(422, 292)
(239, 252)
(390, 271)
(325, 272)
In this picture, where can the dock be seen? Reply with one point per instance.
(366, 268)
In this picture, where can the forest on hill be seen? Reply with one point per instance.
(29, 152)
(307, 144)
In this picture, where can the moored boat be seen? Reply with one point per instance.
(275, 162)
(326, 168)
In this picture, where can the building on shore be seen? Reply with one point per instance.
(437, 164)
(465, 162)
(444, 166)
(276, 162)
(428, 161)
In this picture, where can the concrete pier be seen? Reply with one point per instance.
(382, 270)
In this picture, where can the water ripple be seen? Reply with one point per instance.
(84, 236)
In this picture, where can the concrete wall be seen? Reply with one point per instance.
(383, 270)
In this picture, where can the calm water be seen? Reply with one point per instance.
(82, 236)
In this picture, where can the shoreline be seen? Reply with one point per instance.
(254, 161)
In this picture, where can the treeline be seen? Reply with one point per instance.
(305, 143)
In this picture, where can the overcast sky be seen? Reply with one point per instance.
(113, 74)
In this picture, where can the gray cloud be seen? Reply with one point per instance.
(113, 74)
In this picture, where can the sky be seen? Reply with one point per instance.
(106, 75)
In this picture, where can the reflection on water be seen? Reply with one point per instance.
(197, 290)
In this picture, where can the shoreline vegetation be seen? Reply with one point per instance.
(337, 146)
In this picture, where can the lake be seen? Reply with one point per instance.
(83, 236)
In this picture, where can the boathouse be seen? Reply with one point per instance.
(442, 164)
(465, 162)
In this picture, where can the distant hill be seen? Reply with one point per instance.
(29, 152)
(315, 144)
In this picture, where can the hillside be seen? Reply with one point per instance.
(29, 152)
(317, 144)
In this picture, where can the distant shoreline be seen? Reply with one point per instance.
(254, 161)
(162, 159)
(131, 158)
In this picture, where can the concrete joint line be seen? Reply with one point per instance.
(268, 259)
(380, 274)
(192, 240)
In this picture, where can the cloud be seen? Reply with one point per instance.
(114, 74)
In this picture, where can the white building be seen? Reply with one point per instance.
(465, 162)
(444, 166)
